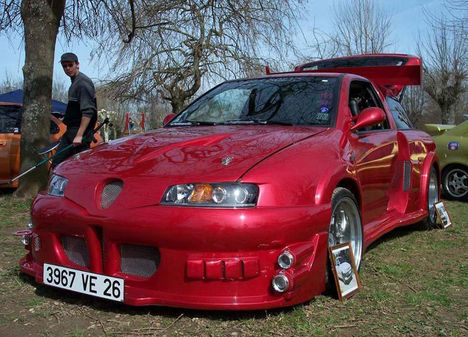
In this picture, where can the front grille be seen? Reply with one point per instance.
(75, 249)
(139, 260)
(110, 192)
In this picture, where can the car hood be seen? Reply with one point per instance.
(186, 154)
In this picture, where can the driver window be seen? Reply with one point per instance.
(361, 96)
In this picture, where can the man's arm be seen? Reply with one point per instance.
(79, 135)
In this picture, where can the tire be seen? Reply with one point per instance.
(345, 226)
(455, 182)
(432, 197)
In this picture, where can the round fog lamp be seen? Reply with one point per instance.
(285, 260)
(280, 283)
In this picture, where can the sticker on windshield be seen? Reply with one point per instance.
(322, 116)
(324, 109)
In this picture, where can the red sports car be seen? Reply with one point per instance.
(234, 202)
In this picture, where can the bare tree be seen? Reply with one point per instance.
(41, 19)
(177, 45)
(445, 53)
(362, 27)
(414, 101)
(8, 84)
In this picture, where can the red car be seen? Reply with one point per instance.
(235, 201)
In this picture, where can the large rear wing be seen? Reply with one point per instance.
(391, 72)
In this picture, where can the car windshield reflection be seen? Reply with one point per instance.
(273, 101)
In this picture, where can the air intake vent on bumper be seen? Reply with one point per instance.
(110, 192)
(139, 260)
(75, 249)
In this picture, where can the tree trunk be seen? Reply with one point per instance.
(41, 19)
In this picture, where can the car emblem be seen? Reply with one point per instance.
(226, 160)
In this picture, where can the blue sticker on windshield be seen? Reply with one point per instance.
(452, 146)
(324, 109)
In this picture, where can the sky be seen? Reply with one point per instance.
(407, 22)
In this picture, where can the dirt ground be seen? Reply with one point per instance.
(414, 283)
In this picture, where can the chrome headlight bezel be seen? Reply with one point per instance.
(57, 186)
(232, 195)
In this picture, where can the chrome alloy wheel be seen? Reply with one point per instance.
(345, 225)
(456, 182)
(432, 195)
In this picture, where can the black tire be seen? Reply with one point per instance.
(346, 209)
(455, 182)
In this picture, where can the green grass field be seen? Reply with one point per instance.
(414, 283)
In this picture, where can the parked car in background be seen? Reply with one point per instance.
(10, 137)
(234, 203)
(452, 149)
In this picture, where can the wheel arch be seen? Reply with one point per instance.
(340, 178)
(351, 185)
(451, 165)
(430, 161)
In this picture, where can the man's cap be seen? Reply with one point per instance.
(69, 57)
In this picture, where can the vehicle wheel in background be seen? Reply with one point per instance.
(455, 182)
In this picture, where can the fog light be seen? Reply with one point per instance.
(285, 259)
(25, 240)
(280, 283)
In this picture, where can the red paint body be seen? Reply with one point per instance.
(220, 258)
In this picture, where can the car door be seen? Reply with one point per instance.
(374, 150)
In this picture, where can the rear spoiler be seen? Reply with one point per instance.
(391, 72)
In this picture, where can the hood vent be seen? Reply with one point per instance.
(110, 192)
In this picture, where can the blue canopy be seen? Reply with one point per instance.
(16, 96)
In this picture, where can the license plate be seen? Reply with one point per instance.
(83, 282)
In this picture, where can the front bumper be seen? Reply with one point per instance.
(208, 258)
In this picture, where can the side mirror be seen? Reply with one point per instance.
(369, 117)
(168, 118)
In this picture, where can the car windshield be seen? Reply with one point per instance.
(282, 100)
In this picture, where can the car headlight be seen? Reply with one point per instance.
(57, 186)
(212, 195)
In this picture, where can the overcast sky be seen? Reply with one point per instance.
(407, 22)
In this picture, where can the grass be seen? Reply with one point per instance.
(414, 282)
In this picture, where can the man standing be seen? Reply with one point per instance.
(81, 114)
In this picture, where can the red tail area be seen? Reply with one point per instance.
(389, 71)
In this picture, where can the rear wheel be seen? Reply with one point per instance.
(455, 182)
(345, 226)
(432, 198)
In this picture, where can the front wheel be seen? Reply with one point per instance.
(345, 226)
(455, 182)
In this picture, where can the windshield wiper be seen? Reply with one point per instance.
(191, 123)
(238, 122)
(270, 122)
(255, 121)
